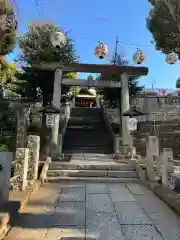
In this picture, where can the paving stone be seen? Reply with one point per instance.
(70, 214)
(62, 207)
(72, 194)
(161, 215)
(99, 203)
(69, 233)
(140, 232)
(119, 192)
(102, 226)
(131, 213)
(96, 188)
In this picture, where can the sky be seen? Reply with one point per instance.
(91, 21)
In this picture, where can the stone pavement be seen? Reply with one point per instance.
(97, 211)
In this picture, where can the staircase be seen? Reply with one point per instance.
(91, 170)
(91, 147)
(86, 132)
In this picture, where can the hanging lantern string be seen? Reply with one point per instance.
(16, 6)
(120, 43)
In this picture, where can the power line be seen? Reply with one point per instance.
(120, 43)
(37, 7)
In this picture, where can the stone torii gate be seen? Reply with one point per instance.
(124, 71)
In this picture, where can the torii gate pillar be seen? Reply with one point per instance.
(56, 102)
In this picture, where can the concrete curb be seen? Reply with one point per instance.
(171, 198)
(17, 202)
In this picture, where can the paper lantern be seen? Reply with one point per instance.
(139, 57)
(8, 23)
(101, 51)
(172, 58)
(58, 39)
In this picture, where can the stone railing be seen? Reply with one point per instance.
(156, 167)
(112, 114)
(5, 173)
(107, 119)
(64, 120)
(26, 165)
(157, 115)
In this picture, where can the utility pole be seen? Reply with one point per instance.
(115, 53)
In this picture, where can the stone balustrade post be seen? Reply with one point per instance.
(60, 143)
(67, 110)
(167, 165)
(34, 148)
(152, 146)
(98, 101)
(152, 154)
(21, 169)
(5, 174)
(116, 144)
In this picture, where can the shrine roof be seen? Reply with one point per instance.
(93, 68)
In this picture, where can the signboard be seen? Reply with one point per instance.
(132, 124)
(92, 83)
(21, 128)
(50, 120)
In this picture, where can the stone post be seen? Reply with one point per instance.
(125, 107)
(5, 174)
(116, 144)
(21, 169)
(56, 102)
(60, 143)
(167, 165)
(74, 97)
(34, 148)
(67, 110)
(152, 147)
(152, 155)
(21, 127)
(98, 101)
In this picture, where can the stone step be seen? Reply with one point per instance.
(71, 151)
(84, 144)
(91, 173)
(92, 166)
(93, 179)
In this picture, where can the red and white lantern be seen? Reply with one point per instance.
(101, 51)
(58, 39)
(139, 57)
(172, 58)
(8, 23)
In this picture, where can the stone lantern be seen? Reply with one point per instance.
(50, 111)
